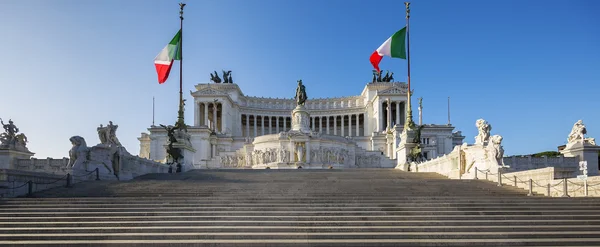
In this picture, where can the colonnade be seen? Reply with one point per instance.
(396, 114)
(211, 115)
(341, 125)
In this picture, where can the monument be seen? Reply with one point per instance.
(13, 145)
(108, 156)
(235, 130)
(584, 148)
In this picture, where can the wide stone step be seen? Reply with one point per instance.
(323, 242)
(582, 217)
(305, 213)
(291, 228)
(498, 235)
(274, 208)
(302, 223)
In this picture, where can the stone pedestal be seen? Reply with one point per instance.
(301, 119)
(406, 145)
(183, 143)
(188, 156)
(8, 157)
(584, 151)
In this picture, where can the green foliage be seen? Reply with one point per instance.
(547, 154)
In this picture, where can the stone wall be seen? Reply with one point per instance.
(523, 163)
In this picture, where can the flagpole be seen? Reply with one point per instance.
(152, 111)
(448, 110)
(180, 117)
(409, 123)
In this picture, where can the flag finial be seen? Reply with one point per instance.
(181, 5)
(407, 4)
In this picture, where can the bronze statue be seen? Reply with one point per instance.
(215, 78)
(226, 76)
(170, 132)
(174, 153)
(386, 77)
(391, 78)
(300, 94)
(374, 76)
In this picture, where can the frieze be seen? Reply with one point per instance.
(210, 91)
(394, 90)
(282, 113)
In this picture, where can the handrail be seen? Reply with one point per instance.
(530, 184)
(68, 177)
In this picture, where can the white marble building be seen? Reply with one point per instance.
(226, 120)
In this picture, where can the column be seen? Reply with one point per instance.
(389, 114)
(314, 128)
(357, 125)
(321, 124)
(262, 125)
(335, 125)
(269, 129)
(327, 124)
(224, 120)
(342, 124)
(214, 117)
(398, 112)
(277, 125)
(284, 124)
(255, 128)
(196, 114)
(206, 114)
(380, 120)
(247, 125)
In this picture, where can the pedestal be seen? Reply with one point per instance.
(8, 158)
(585, 152)
(188, 156)
(406, 145)
(301, 119)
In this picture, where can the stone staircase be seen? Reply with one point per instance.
(351, 207)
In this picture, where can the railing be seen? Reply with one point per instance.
(531, 185)
(68, 180)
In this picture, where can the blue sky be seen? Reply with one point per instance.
(531, 68)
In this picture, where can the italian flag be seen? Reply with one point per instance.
(164, 60)
(395, 46)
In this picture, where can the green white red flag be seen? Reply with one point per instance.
(394, 46)
(164, 60)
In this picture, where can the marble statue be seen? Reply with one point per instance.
(496, 150)
(577, 134)
(300, 94)
(78, 154)
(11, 138)
(108, 135)
(299, 152)
(484, 129)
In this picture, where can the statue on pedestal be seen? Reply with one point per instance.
(174, 153)
(108, 134)
(215, 78)
(11, 138)
(484, 129)
(300, 94)
(577, 134)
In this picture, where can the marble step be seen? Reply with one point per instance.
(581, 242)
(293, 228)
(173, 235)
